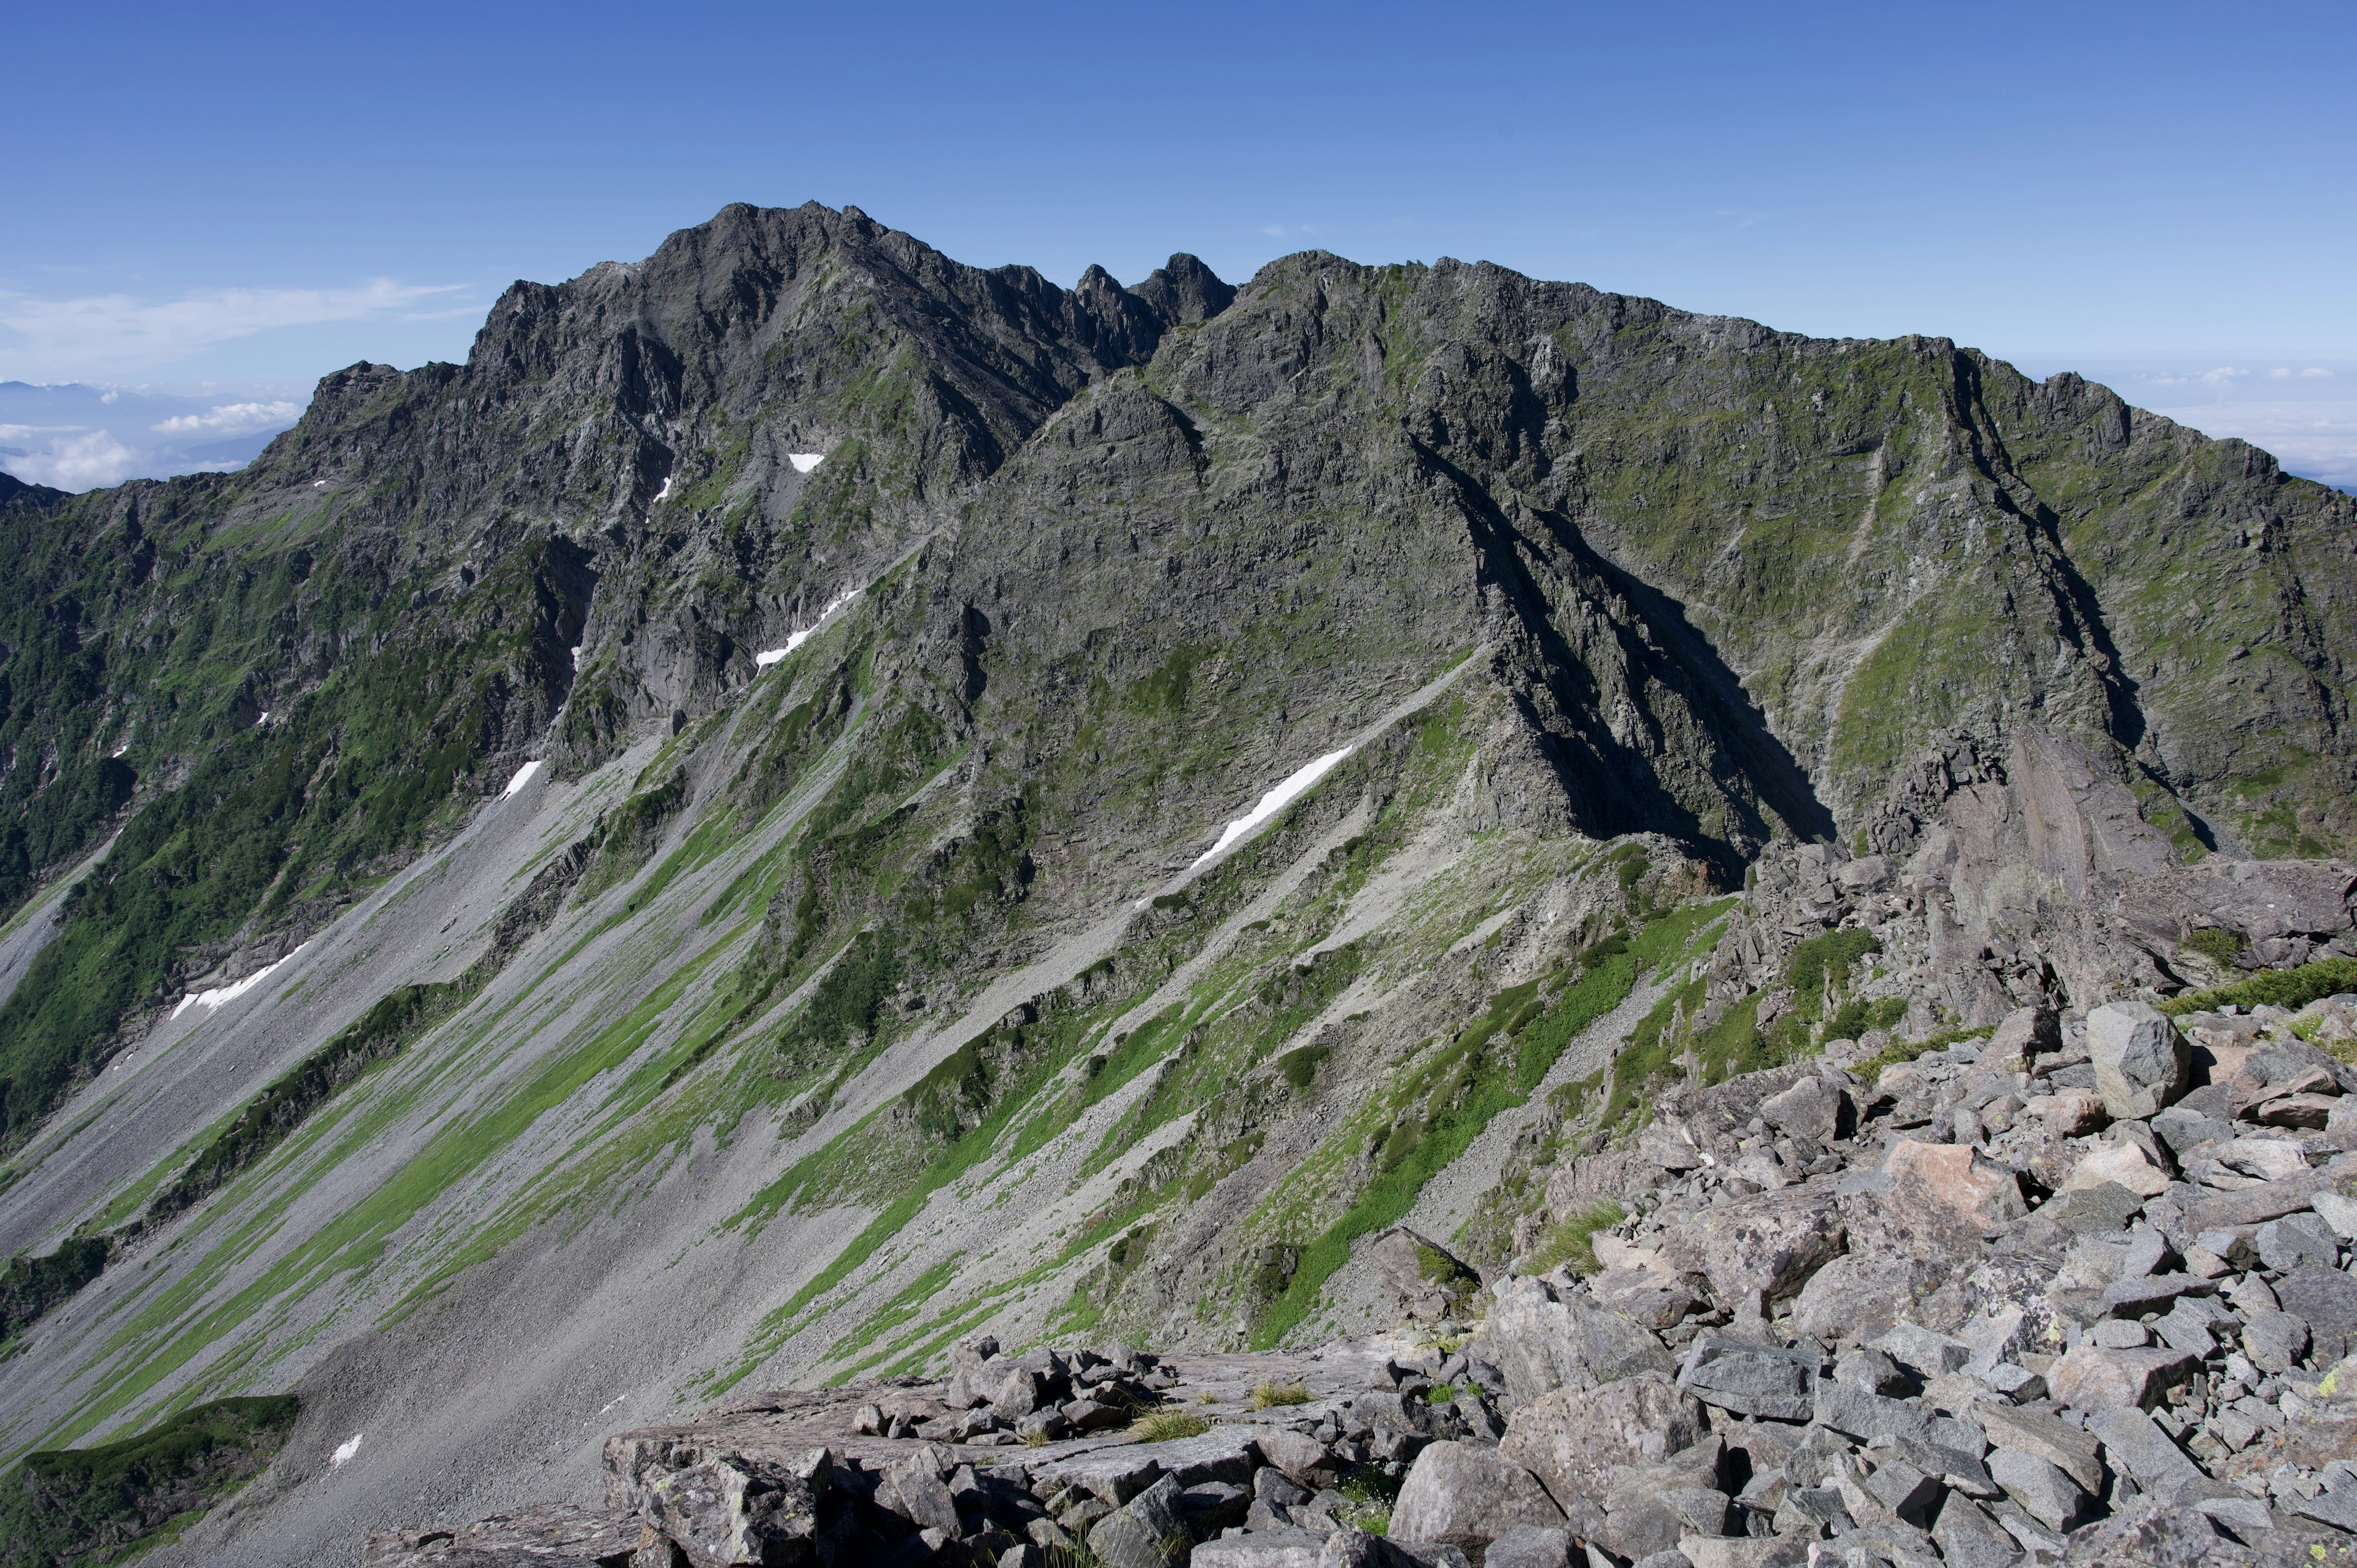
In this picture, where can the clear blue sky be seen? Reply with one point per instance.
(251, 196)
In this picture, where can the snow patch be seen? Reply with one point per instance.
(576, 661)
(1275, 800)
(662, 492)
(221, 995)
(804, 462)
(344, 1452)
(121, 749)
(769, 656)
(523, 777)
(319, 484)
(262, 720)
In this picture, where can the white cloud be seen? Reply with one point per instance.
(2318, 372)
(87, 337)
(233, 418)
(72, 462)
(2224, 376)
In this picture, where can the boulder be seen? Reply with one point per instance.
(2122, 1163)
(1539, 1342)
(1742, 1551)
(1572, 1439)
(1936, 1444)
(2135, 1444)
(1301, 1458)
(2326, 1300)
(1956, 1177)
(1772, 1243)
(915, 1490)
(1814, 1108)
(2092, 1378)
(2022, 1036)
(2070, 1112)
(1468, 1496)
(1531, 1546)
(2291, 1243)
(1968, 1538)
(1263, 1549)
(730, 1510)
(1427, 1279)
(971, 1382)
(2147, 1532)
(2274, 1341)
(1861, 1294)
(1147, 1532)
(1749, 1379)
(2142, 1064)
(2045, 1436)
(1350, 1547)
(1213, 1506)
(1023, 1390)
(1648, 1508)
(2044, 1490)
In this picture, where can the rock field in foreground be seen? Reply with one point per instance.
(2077, 1292)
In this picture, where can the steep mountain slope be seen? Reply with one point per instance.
(689, 971)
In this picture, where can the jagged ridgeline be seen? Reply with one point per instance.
(691, 818)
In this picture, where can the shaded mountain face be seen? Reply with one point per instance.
(888, 638)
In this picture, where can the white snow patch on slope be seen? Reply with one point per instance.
(662, 492)
(523, 777)
(262, 720)
(804, 462)
(1275, 800)
(769, 656)
(344, 1452)
(221, 995)
(577, 660)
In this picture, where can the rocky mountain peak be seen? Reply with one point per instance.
(812, 805)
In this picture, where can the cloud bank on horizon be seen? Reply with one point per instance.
(110, 335)
(76, 438)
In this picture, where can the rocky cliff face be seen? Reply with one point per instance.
(691, 832)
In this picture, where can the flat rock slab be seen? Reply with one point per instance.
(1261, 1548)
(548, 1535)
(1120, 1472)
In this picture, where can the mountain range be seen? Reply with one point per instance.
(811, 800)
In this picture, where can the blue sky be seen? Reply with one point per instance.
(230, 204)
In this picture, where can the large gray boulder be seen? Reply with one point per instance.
(1751, 1379)
(1573, 1439)
(1468, 1496)
(1532, 1546)
(1540, 1341)
(1147, 1532)
(729, 1509)
(2142, 1064)
(2326, 1300)
(1772, 1243)
(1428, 1282)
(1261, 1548)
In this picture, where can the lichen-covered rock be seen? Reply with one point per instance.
(1468, 1496)
(2142, 1063)
(1572, 1439)
(1772, 1243)
(1540, 1339)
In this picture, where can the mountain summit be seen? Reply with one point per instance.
(811, 802)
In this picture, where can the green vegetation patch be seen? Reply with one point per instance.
(30, 1288)
(2287, 988)
(1572, 1240)
(1445, 1106)
(92, 1504)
